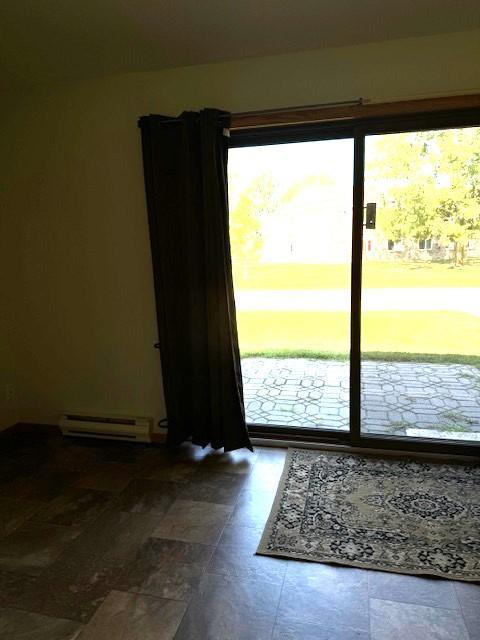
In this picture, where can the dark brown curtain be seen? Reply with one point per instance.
(185, 164)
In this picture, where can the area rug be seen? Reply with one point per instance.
(390, 514)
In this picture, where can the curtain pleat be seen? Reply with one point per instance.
(185, 166)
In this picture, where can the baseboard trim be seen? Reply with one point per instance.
(32, 428)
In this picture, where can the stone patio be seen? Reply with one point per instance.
(398, 398)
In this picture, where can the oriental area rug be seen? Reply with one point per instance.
(391, 514)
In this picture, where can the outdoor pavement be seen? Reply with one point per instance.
(398, 398)
(465, 299)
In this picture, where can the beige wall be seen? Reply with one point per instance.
(9, 413)
(8, 372)
(77, 238)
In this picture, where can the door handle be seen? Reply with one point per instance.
(371, 217)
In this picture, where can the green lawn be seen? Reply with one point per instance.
(398, 335)
(430, 336)
(375, 275)
(427, 336)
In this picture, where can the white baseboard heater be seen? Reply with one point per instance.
(111, 427)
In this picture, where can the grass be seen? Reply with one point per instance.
(375, 275)
(377, 356)
(450, 428)
(457, 418)
(400, 336)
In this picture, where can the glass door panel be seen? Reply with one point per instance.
(420, 372)
(291, 237)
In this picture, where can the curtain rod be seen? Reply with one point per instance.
(322, 105)
(347, 109)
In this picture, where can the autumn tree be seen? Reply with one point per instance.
(430, 185)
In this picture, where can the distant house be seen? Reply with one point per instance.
(376, 246)
(314, 227)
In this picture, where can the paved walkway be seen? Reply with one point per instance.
(466, 299)
(397, 397)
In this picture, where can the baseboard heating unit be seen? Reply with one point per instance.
(112, 427)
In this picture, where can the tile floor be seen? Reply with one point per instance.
(103, 540)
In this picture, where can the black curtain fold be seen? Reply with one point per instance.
(185, 166)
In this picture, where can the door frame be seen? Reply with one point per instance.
(358, 130)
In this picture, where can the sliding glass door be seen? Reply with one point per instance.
(291, 237)
(356, 260)
(420, 341)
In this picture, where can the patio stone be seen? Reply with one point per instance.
(396, 396)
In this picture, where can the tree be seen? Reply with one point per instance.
(252, 205)
(430, 184)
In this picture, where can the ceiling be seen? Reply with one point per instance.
(48, 40)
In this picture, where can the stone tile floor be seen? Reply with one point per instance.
(396, 396)
(122, 541)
